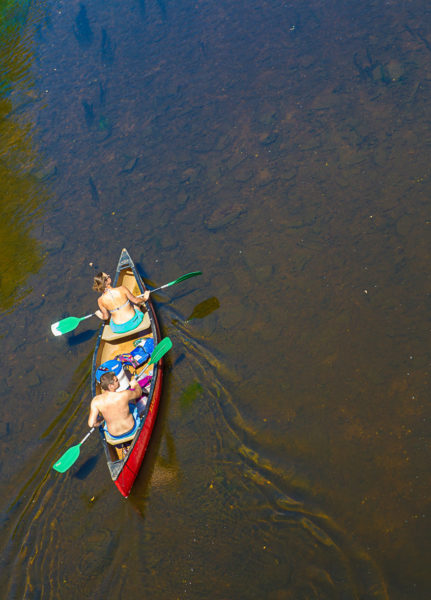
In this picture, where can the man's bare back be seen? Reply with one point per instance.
(113, 407)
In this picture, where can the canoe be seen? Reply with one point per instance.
(124, 461)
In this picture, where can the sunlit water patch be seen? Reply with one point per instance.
(23, 190)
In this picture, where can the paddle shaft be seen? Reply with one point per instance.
(144, 369)
(87, 317)
(182, 278)
(155, 289)
(87, 436)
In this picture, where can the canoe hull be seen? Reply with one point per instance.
(124, 471)
(128, 474)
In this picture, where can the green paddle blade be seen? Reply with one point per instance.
(70, 456)
(184, 277)
(67, 460)
(64, 326)
(67, 324)
(160, 350)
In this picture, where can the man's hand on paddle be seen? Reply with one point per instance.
(135, 388)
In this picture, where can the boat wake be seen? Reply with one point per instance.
(320, 559)
(253, 513)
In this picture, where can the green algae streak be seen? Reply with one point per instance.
(21, 194)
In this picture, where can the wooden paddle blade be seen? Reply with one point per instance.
(67, 460)
(64, 326)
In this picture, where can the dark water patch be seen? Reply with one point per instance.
(94, 193)
(142, 8)
(107, 48)
(102, 93)
(5, 428)
(162, 8)
(82, 28)
(101, 544)
(129, 164)
(179, 359)
(81, 338)
(29, 512)
(88, 113)
(149, 283)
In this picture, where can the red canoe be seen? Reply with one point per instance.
(124, 461)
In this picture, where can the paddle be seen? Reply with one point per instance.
(182, 278)
(160, 350)
(71, 455)
(70, 323)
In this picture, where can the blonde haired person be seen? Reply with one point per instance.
(117, 304)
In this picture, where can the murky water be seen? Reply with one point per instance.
(283, 149)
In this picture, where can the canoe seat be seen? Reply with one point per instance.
(109, 336)
(123, 440)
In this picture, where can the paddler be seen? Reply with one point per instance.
(118, 409)
(117, 303)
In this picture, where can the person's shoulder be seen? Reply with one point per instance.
(126, 395)
(96, 399)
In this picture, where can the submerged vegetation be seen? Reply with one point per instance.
(21, 193)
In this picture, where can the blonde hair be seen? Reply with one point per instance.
(99, 282)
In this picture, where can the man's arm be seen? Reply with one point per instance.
(95, 417)
(135, 389)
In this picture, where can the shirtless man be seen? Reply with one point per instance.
(114, 407)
